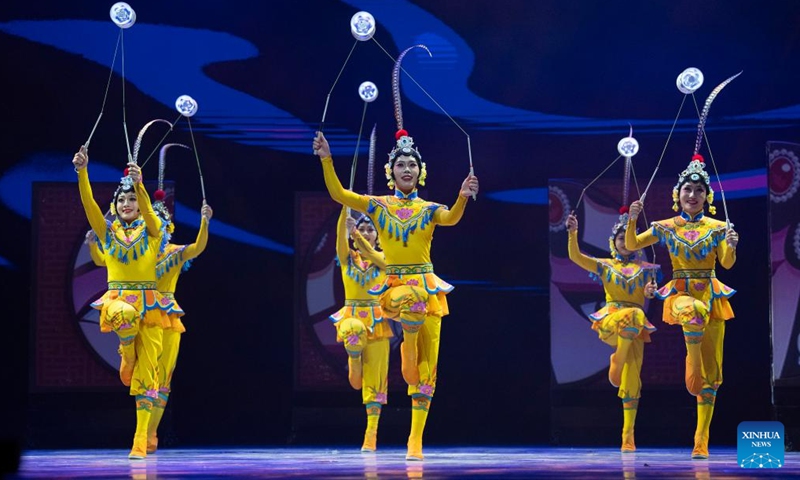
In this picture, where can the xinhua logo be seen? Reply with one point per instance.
(760, 444)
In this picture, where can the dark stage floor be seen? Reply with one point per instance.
(345, 463)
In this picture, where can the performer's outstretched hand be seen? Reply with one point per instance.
(469, 187)
(81, 159)
(135, 172)
(90, 237)
(321, 147)
(572, 223)
(650, 289)
(732, 237)
(635, 209)
(350, 224)
(206, 212)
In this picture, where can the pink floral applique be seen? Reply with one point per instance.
(165, 300)
(627, 271)
(380, 397)
(404, 213)
(152, 393)
(699, 286)
(363, 314)
(418, 307)
(413, 283)
(691, 235)
(426, 390)
(352, 339)
(131, 298)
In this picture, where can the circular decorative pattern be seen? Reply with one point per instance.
(368, 92)
(784, 175)
(689, 80)
(559, 208)
(186, 105)
(122, 15)
(628, 147)
(362, 26)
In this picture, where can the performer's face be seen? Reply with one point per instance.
(127, 207)
(406, 173)
(367, 230)
(693, 197)
(619, 243)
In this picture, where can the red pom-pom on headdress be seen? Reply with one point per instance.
(698, 157)
(623, 210)
(400, 133)
(125, 172)
(159, 195)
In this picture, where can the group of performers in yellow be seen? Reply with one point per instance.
(388, 276)
(694, 299)
(139, 306)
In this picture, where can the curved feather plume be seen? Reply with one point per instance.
(162, 161)
(704, 115)
(138, 144)
(398, 108)
(371, 161)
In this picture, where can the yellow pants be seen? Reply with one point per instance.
(145, 373)
(166, 365)
(700, 327)
(375, 364)
(138, 341)
(616, 328)
(428, 339)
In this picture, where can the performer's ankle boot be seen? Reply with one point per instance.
(152, 428)
(144, 406)
(694, 362)
(408, 357)
(419, 415)
(371, 434)
(705, 411)
(629, 410)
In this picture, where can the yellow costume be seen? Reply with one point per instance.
(695, 300)
(621, 323)
(132, 307)
(360, 325)
(411, 292)
(174, 260)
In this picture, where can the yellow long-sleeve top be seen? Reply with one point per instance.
(362, 270)
(170, 264)
(405, 226)
(623, 278)
(694, 244)
(174, 260)
(130, 253)
(405, 223)
(131, 250)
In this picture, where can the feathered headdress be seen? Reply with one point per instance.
(695, 171)
(405, 143)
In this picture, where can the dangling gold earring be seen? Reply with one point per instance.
(710, 199)
(387, 169)
(423, 174)
(675, 200)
